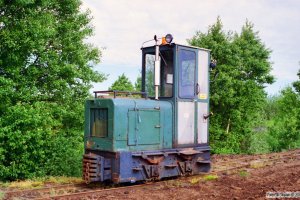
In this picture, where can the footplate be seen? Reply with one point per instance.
(95, 168)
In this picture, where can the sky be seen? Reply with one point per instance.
(121, 26)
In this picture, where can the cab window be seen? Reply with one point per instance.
(187, 67)
(166, 74)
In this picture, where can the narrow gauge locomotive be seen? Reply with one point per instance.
(162, 134)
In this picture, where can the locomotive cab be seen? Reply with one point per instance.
(162, 134)
(184, 81)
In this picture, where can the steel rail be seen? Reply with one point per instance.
(81, 188)
(16, 193)
(79, 195)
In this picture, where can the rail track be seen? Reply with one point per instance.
(83, 191)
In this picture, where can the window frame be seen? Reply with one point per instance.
(180, 74)
(144, 73)
(93, 121)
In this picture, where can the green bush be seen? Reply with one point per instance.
(46, 71)
(284, 130)
(280, 122)
(35, 142)
(260, 143)
(236, 89)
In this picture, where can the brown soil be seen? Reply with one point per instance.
(276, 172)
(250, 183)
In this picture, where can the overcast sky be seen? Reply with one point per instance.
(121, 26)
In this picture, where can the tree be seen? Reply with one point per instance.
(283, 125)
(138, 84)
(46, 71)
(237, 91)
(122, 84)
(149, 76)
(296, 84)
(281, 122)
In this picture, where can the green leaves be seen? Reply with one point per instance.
(46, 71)
(138, 84)
(122, 84)
(25, 130)
(283, 113)
(237, 94)
(296, 84)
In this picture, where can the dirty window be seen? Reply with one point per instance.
(187, 66)
(99, 121)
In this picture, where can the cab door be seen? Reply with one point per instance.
(186, 96)
(202, 92)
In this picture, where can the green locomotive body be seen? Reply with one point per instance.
(162, 134)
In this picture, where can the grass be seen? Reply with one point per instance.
(257, 164)
(4, 184)
(244, 173)
(2, 194)
(41, 182)
(26, 184)
(210, 177)
(173, 183)
(195, 180)
(63, 180)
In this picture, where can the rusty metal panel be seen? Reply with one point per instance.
(186, 121)
(202, 123)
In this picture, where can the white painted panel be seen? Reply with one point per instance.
(202, 123)
(203, 59)
(186, 120)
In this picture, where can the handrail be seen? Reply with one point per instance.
(116, 92)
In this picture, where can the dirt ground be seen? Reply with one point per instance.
(232, 177)
(252, 182)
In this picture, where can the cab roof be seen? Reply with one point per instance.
(174, 44)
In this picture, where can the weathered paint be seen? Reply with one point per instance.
(203, 63)
(144, 127)
(203, 97)
(202, 123)
(144, 135)
(186, 122)
(184, 107)
(127, 166)
(133, 124)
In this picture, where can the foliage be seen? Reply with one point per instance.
(280, 123)
(149, 82)
(296, 84)
(45, 75)
(122, 84)
(138, 84)
(283, 127)
(237, 95)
